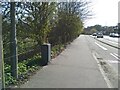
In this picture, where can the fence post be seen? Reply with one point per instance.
(13, 44)
(2, 77)
(45, 54)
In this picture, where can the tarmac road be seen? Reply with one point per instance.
(76, 67)
(109, 54)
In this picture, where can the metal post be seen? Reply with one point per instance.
(13, 47)
(2, 67)
(46, 54)
(2, 78)
(59, 44)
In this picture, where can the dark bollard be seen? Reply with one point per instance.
(45, 54)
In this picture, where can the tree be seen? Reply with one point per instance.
(37, 19)
(70, 22)
(93, 30)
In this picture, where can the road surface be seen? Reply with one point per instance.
(81, 65)
(107, 54)
(114, 39)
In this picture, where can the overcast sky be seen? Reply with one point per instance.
(105, 13)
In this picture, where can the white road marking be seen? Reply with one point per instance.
(103, 73)
(101, 46)
(112, 61)
(114, 56)
(113, 42)
(117, 55)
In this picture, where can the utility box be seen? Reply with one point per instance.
(45, 54)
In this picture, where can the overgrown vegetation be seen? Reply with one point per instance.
(38, 23)
(25, 69)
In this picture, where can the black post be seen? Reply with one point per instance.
(13, 44)
(119, 28)
(46, 54)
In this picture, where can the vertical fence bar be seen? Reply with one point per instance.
(2, 78)
(2, 67)
(13, 44)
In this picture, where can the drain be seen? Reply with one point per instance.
(102, 63)
(100, 58)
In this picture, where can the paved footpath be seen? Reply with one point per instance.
(73, 68)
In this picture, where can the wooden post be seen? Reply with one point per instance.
(13, 44)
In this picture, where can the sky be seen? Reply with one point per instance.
(105, 13)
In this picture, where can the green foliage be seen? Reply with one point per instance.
(56, 49)
(8, 77)
(7, 68)
(22, 68)
(35, 61)
(69, 25)
(32, 69)
(38, 20)
(9, 80)
(25, 45)
(25, 68)
(38, 23)
(93, 30)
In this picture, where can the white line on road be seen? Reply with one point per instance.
(112, 61)
(103, 73)
(114, 56)
(113, 42)
(101, 46)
